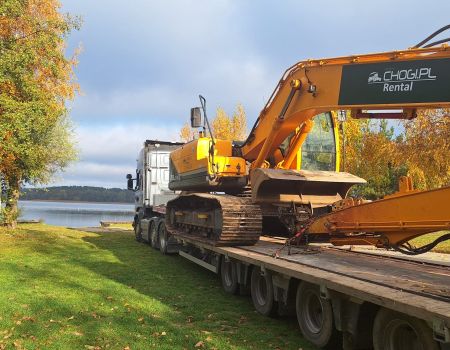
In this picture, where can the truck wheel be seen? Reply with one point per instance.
(153, 234)
(315, 317)
(262, 292)
(229, 277)
(163, 238)
(137, 231)
(396, 331)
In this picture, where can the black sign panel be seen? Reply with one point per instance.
(417, 81)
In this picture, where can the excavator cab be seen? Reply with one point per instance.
(320, 150)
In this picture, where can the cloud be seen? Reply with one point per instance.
(144, 65)
(107, 154)
(121, 105)
(119, 144)
(223, 84)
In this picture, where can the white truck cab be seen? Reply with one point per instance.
(151, 187)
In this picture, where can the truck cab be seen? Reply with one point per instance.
(151, 185)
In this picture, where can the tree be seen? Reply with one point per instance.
(36, 80)
(425, 148)
(371, 153)
(224, 127)
(239, 124)
(187, 133)
(421, 150)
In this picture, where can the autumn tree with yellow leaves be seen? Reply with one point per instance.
(187, 133)
(370, 152)
(421, 150)
(425, 148)
(223, 126)
(36, 80)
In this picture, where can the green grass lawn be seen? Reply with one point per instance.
(443, 247)
(68, 289)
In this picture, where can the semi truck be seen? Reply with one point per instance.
(344, 297)
(272, 215)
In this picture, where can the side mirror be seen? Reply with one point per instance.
(129, 182)
(196, 117)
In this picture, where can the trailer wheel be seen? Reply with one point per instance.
(228, 276)
(153, 234)
(262, 292)
(163, 238)
(315, 317)
(395, 331)
(137, 230)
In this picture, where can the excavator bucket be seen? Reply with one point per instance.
(318, 188)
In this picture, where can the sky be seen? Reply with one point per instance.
(144, 63)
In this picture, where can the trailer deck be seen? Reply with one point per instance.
(412, 286)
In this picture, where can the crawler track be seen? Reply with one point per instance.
(218, 220)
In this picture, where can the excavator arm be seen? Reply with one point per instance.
(398, 80)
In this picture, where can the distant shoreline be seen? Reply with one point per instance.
(66, 201)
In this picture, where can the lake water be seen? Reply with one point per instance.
(75, 214)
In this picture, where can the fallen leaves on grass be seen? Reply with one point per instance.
(157, 334)
(200, 344)
(243, 319)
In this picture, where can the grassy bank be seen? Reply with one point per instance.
(68, 289)
(443, 247)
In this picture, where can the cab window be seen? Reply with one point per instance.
(319, 149)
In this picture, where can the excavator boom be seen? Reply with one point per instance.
(398, 80)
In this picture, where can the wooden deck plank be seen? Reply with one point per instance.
(418, 278)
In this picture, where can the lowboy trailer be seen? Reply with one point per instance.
(343, 297)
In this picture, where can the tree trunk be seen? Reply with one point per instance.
(11, 208)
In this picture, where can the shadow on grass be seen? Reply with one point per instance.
(193, 293)
(97, 290)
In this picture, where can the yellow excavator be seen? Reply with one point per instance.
(285, 178)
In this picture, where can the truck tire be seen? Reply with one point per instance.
(163, 238)
(315, 317)
(261, 290)
(137, 230)
(395, 331)
(228, 276)
(153, 234)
